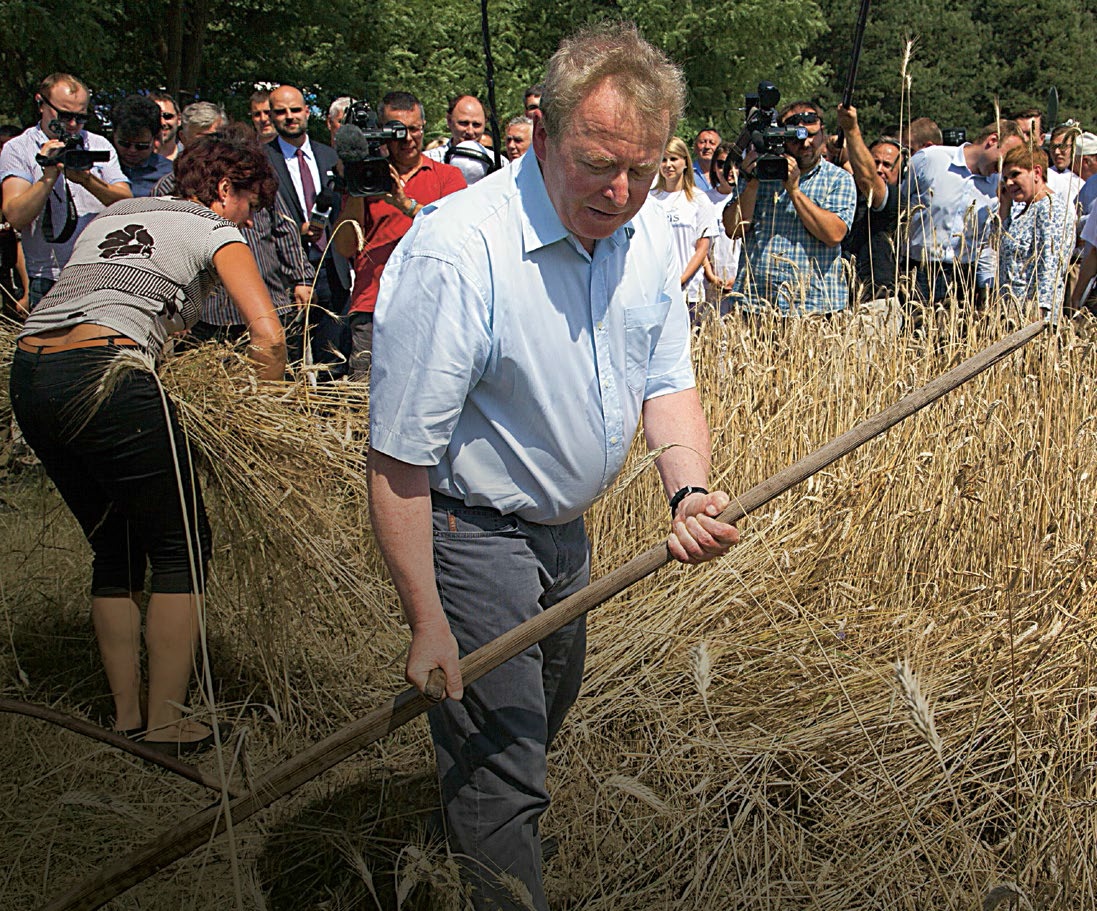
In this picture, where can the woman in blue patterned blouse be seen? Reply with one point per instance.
(1037, 234)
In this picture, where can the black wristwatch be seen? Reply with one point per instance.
(680, 495)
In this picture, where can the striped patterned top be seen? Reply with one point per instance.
(143, 268)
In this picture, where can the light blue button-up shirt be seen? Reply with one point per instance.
(951, 209)
(513, 363)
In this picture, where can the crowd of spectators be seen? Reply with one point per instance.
(901, 217)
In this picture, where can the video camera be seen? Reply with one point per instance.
(762, 132)
(73, 157)
(359, 146)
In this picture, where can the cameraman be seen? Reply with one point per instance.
(72, 201)
(384, 220)
(793, 231)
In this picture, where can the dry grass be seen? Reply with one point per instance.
(743, 739)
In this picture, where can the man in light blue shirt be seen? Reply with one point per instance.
(67, 199)
(524, 328)
(952, 196)
(704, 147)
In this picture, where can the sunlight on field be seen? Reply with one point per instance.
(884, 698)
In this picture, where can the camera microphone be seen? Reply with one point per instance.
(351, 143)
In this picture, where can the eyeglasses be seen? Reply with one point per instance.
(1060, 146)
(75, 116)
(135, 146)
(281, 112)
(802, 119)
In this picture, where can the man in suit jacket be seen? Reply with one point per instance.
(303, 168)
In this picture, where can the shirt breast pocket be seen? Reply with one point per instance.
(642, 328)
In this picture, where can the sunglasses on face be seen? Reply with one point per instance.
(135, 146)
(281, 112)
(164, 115)
(802, 119)
(74, 116)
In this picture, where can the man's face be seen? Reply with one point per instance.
(533, 103)
(1031, 126)
(261, 120)
(133, 149)
(336, 121)
(807, 152)
(518, 139)
(1062, 149)
(466, 120)
(405, 153)
(707, 141)
(887, 158)
(991, 153)
(66, 105)
(599, 169)
(289, 112)
(169, 122)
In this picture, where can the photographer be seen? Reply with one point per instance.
(51, 205)
(871, 240)
(385, 219)
(793, 230)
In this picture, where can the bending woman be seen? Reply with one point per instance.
(116, 451)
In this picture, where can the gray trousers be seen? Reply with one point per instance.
(493, 572)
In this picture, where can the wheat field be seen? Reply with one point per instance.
(884, 698)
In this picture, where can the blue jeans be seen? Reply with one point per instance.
(114, 466)
(493, 572)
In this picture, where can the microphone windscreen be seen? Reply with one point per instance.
(351, 143)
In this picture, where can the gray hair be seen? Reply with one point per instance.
(339, 106)
(520, 121)
(200, 117)
(647, 81)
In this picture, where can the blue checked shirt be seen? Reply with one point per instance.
(786, 266)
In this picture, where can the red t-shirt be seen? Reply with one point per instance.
(385, 225)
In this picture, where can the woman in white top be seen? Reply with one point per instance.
(691, 216)
(722, 264)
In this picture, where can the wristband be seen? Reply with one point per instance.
(680, 495)
(412, 206)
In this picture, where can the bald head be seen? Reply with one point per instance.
(466, 119)
(290, 114)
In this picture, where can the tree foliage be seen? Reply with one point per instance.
(965, 56)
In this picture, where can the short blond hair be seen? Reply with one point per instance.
(648, 82)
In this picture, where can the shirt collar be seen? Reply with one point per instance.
(541, 225)
(289, 151)
(959, 160)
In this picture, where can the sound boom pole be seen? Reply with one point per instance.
(855, 58)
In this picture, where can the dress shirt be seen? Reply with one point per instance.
(45, 260)
(786, 265)
(513, 363)
(700, 177)
(145, 176)
(290, 154)
(951, 209)
(275, 241)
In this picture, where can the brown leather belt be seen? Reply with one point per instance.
(117, 341)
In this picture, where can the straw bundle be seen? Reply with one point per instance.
(883, 699)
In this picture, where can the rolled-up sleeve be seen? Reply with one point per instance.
(433, 321)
